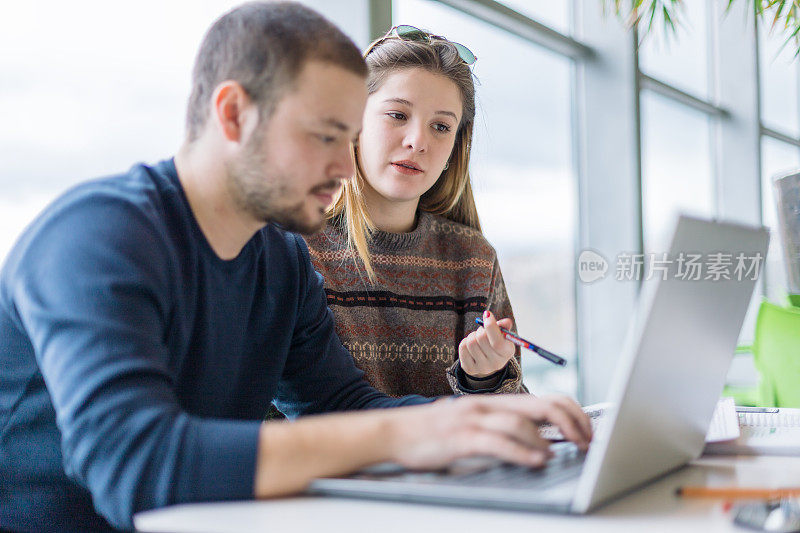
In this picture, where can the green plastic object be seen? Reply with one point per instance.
(793, 299)
(746, 396)
(776, 355)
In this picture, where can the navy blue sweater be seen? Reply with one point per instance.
(136, 366)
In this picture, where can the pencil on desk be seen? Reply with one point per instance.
(738, 493)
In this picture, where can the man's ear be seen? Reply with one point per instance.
(231, 109)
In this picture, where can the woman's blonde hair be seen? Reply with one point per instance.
(451, 195)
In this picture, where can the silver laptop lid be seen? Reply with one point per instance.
(676, 357)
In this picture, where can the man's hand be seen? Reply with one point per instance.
(506, 427)
(486, 351)
(291, 454)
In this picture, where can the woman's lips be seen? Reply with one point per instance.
(408, 171)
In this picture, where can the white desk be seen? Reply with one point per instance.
(653, 509)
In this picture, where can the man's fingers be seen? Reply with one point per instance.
(505, 427)
(575, 410)
(558, 410)
(514, 426)
(573, 423)
(504, 448)
(570, 427)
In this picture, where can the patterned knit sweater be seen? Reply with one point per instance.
(432, 283)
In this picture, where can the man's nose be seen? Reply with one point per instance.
(343, 166)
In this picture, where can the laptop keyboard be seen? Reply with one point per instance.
(485, 472)
(566, 464)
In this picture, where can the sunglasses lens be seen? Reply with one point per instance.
(465, 53)
(411, 33)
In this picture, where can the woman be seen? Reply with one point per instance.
(407, 270)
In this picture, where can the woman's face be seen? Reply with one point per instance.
(408, 133)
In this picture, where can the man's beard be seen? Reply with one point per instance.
(262, 193)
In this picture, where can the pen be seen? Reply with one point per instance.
(519, 341)
(746, 409)
(737, 493)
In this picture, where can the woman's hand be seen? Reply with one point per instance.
(486, 351)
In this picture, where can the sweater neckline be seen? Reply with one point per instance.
(385, 241)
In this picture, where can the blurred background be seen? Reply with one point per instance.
(590, 134)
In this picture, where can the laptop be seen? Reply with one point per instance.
(669, 376)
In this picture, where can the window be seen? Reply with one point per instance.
(98, 87)
(677, 174)
(779, 77)
(777, 159)
(676, 167)
(680, 59)
(554, 13)
(91, 96)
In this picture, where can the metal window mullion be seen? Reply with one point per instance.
(380, 18)
(673, 93)
(763, 281)
(638, 148)
(507, 19)
(609, 184)
(788, 139)
(738, 163)
(715, 129)
(737, 93)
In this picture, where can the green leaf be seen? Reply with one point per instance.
(783, 14)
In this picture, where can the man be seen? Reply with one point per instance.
(148, 320)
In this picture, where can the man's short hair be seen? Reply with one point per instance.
(263, 46)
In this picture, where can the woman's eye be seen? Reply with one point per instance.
(327, 139)
(441, 128)
(397, 116)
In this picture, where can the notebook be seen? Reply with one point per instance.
(724, 423)
(668, 378)
(761, 431)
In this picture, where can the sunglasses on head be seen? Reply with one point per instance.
(411, 33)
